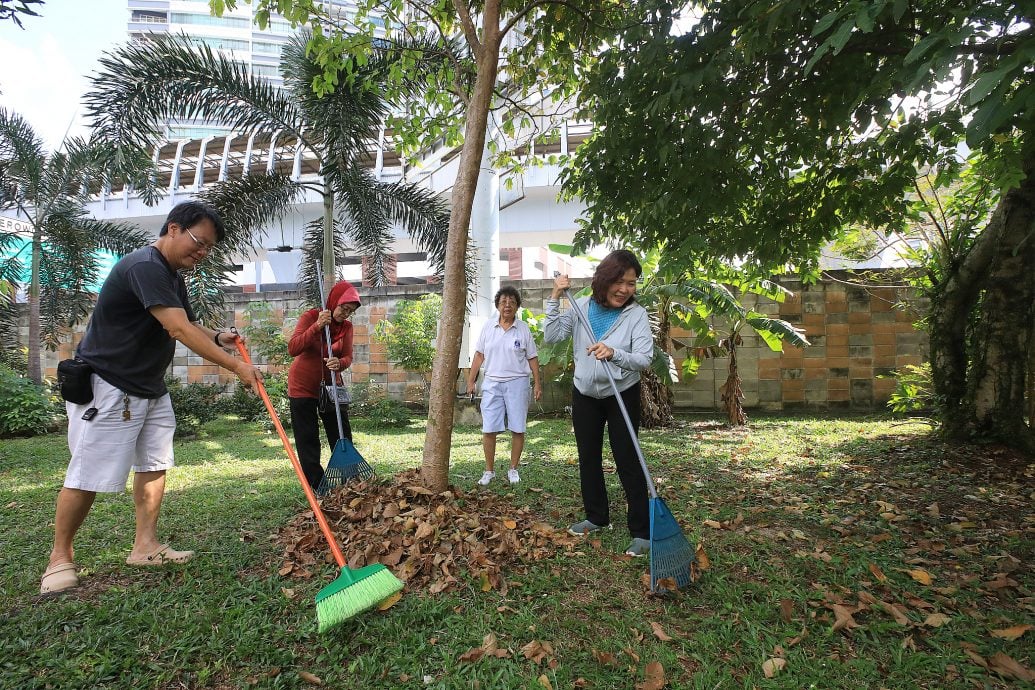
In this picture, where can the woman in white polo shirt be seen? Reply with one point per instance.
(508, 351)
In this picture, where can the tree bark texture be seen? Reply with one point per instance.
(656, 398)
(732, 393)
(442, 394)
(1002, 340)
(35, 369)
(980, 327)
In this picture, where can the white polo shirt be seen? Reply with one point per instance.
(507, 351)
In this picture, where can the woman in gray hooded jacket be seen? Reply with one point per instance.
(621, 340)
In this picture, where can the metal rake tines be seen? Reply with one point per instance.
(336, 476)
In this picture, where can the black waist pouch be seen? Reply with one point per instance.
(74, 379)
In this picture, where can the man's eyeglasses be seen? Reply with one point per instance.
(202, 246)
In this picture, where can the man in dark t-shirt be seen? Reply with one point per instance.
(141, 312)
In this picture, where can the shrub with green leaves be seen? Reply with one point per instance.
(26, 409)
(194, 404)
(914, 390)
(410, 332)
(265, 333)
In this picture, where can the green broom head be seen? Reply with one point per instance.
(353, 592)
(671, 555)
(346, 463)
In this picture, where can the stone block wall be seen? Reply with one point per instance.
(859, 337)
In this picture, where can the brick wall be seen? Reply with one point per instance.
(858, 337)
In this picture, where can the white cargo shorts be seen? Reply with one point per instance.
(105, 448)
(505, 405)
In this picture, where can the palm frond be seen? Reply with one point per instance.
(249, 204)
(144, 83)
(118, 238)
(312, 252)
(206, 288)
(22, 158)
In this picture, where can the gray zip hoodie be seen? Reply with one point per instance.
(629, 337)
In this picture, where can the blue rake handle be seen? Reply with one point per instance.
(618, 396)
(330, 353)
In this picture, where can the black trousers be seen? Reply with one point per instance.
(305, 419)
(589, 416)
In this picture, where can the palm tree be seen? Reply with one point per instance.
(49, 192)
(147, 82)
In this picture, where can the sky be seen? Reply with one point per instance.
(44, 67)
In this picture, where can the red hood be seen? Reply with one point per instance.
(342, 293)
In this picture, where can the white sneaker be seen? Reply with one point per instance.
(513, 476)
(486, 478)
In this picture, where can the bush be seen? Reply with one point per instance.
(369, 402)
(408, 335)
(914, 390)
(27, 409)
(194, 404)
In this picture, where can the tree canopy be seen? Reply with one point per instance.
(770, 126)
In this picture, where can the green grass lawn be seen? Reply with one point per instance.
(820, 533)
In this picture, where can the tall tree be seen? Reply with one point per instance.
(142, 84)
(771, 126)
(49, 193)
(540, 47)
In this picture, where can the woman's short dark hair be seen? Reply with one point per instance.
(189, 213)
(507, 292)
(611, 270)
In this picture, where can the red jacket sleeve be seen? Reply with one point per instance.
(343, 346)
(306, 332)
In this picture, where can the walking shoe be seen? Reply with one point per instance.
(581, 529)
(487, 477)
(512, 476)
(638, 547)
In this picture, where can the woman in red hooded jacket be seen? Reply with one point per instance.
(308, 345)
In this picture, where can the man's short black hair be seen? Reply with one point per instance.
(507, 292)
(189, 213)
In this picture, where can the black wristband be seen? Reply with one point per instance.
(216, 337)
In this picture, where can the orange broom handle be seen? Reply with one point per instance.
(324, 527)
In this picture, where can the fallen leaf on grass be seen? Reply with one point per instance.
(786, 610)
(510, 524)
(1011, 633)
(287, 592)
(605, 658)
(1007, 667)
(843, 617)
(936, 620)
(310, 678)
(918, 574)
(654, 677)
(773, 666)
(659, 632)
(714, 524)
(632, 655)
(537, 651)
(472, 655)
(389, 602)
(545, 682)
(878, 573)
(703, 563)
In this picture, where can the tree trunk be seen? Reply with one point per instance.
(442, 395)
(732, 393)
(35, 368)
(655, 397)
(1002, 343)
(330, 263)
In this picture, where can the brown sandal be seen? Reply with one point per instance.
(58, 578)
(160, 556)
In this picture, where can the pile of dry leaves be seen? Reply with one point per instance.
(430, 541)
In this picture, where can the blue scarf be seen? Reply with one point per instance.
(601, 318)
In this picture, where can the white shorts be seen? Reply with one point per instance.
(105, 448)
(507, 399)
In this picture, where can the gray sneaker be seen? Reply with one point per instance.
(581, 529)
(638, 547)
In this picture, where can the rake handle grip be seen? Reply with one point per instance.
(618, 396)
(330, 352)
(313, 503)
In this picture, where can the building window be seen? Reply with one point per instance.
(208, 20)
